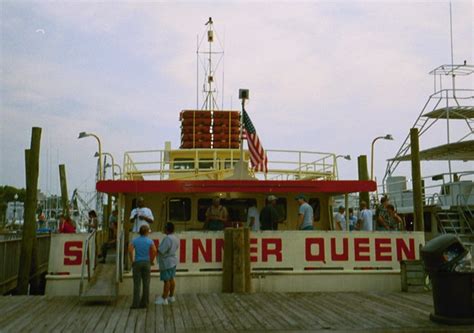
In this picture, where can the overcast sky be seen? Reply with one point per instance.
(323, 76)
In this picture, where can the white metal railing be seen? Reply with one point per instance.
(282, 164)
(86, 261)
(434, 192)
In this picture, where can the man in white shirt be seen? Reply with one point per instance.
(365, 218)
(253, 218)
(141, 215)
(340, 219)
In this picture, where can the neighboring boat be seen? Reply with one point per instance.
(448, 196)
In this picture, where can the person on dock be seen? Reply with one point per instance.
(66, 226)
(167, 262)
(269, 217)
(253, 217)
(93, 221)
(141, 215)
(366, 218)
(381, 215)
(216, 215)
(145, 253)
(305, 213)
(340, 219)
(394, 220)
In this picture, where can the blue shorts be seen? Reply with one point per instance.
(168, 274)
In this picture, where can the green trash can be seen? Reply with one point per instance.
(453, 297)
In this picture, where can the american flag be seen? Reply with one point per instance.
(258, 157)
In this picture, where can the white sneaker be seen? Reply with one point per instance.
(171, 299)
(161, 301)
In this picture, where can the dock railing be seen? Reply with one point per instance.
(282, 164)
(10, 249)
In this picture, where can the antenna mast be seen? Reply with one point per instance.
(209, 67)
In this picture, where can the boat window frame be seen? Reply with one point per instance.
(168, 215)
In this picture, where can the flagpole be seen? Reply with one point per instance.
(243, 95)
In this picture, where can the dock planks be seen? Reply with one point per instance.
(364, 312)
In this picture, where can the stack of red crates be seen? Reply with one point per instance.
(206, 129)
(196, 129)
(226, 129)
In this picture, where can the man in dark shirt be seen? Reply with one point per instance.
(269, 217)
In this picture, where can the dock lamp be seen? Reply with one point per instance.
(386, 137)
(113, 161)
(85, 135)
(113, 166)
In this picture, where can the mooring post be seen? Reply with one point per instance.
(64, 195)
(29, 223)
(228, 262)
(238, 283)
(416, 177)
(247, 268)
(363, 175)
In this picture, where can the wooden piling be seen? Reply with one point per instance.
(247, 267)
(64, 195)
(228, 262)
(363, 175)
(416, 177)
(238, 282)
(29, 223)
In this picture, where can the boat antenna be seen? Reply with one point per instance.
(452, 49)
(209, 67)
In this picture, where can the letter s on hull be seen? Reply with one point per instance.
(72, 253)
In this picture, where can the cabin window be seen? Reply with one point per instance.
(315, 203)
(236, 208)
(206, 164)
(179, 209)
(183, 164)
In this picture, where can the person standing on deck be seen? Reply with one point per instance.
(366, 218)
(141, 216)
(167, 262)
(381, 215)
(145, 253)
(395, 221)
(216, 215)
(253, 217)
(269, 217)
(305, 213)
(340, 219)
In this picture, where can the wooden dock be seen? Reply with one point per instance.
(287, 312)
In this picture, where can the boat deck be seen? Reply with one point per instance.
(375, 312)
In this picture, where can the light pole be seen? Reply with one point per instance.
(346, 157)
(113, 162)
(85, 135)
(113, 166)
(386, 137)
(14, 208)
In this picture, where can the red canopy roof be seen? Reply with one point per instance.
(245, 186)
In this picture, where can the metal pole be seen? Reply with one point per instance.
(63, 183)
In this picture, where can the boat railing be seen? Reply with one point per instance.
(86, 261)
(436, 190)
(215, 163)
(443, 99)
